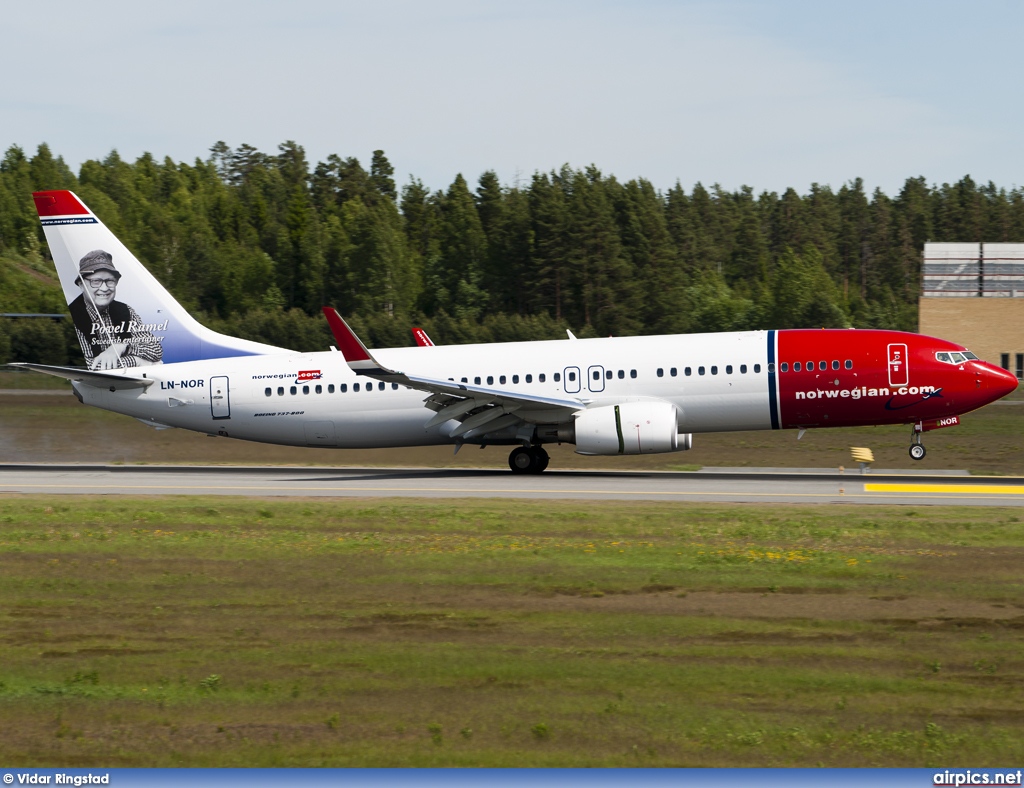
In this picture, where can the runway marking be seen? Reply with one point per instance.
(409, 489)
(924, 494)
(986, 489)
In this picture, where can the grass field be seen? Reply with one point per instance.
(151, 632)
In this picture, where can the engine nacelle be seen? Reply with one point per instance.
(630, 428)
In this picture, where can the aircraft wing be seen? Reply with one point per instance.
(90, 377)
(481, 409)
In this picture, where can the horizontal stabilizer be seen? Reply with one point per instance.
(103, 380)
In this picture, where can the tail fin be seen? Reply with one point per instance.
(124, 317)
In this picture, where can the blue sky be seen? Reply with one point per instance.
(767, 94)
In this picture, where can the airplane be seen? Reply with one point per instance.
(148, 358)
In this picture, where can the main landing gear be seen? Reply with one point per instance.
(917, 451)
(528, 459)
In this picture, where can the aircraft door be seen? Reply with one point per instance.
(572, 380)
(595, 378)
(220, 400)
(899, 375)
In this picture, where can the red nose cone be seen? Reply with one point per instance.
(1000, 381)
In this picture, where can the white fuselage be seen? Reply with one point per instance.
(267, 398)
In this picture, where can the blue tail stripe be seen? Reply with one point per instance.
(773, 400)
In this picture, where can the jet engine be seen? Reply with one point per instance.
(630, 428)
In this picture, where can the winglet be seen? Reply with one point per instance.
(358, 357)
(421, 337)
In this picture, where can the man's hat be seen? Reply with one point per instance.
(97, 260)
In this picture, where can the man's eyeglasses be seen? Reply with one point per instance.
(99, 284)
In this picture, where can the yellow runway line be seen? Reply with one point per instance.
(977, 489)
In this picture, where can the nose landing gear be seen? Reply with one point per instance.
(917, 451)
(532, 459)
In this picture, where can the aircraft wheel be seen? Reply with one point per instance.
(917, 451)
(522, 460)
(542, 459)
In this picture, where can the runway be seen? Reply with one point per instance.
(732, 485)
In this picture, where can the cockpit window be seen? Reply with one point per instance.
(956, 358)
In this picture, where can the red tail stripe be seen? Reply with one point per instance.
(58, 203)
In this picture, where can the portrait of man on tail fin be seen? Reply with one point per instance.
(111, 333)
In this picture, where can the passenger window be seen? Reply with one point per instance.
(661, 372)
(319, 389)
(784, 366)
(687, 371)
(673, 372)
(515, 378)
(714, 370)
(292, 390)
(700, 370)
(355, 387)
(557, 377)
(728, 369)
(771, 368)
(822, 365)
(501, 380)
(267, 392)
(810, 366)
(465, 380)
(476, 380)
(572, 376)
(743, 369)
(632, 373)
(490, 380)
(381, 386)
(835, 365)
(280, 391)
(394, 386)
(541, 378)
(330, 388)
(848, 364)
(343, 387)
(622, 374)
(796, 366)
(609, 374)
(305, 389)
(757, 368)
